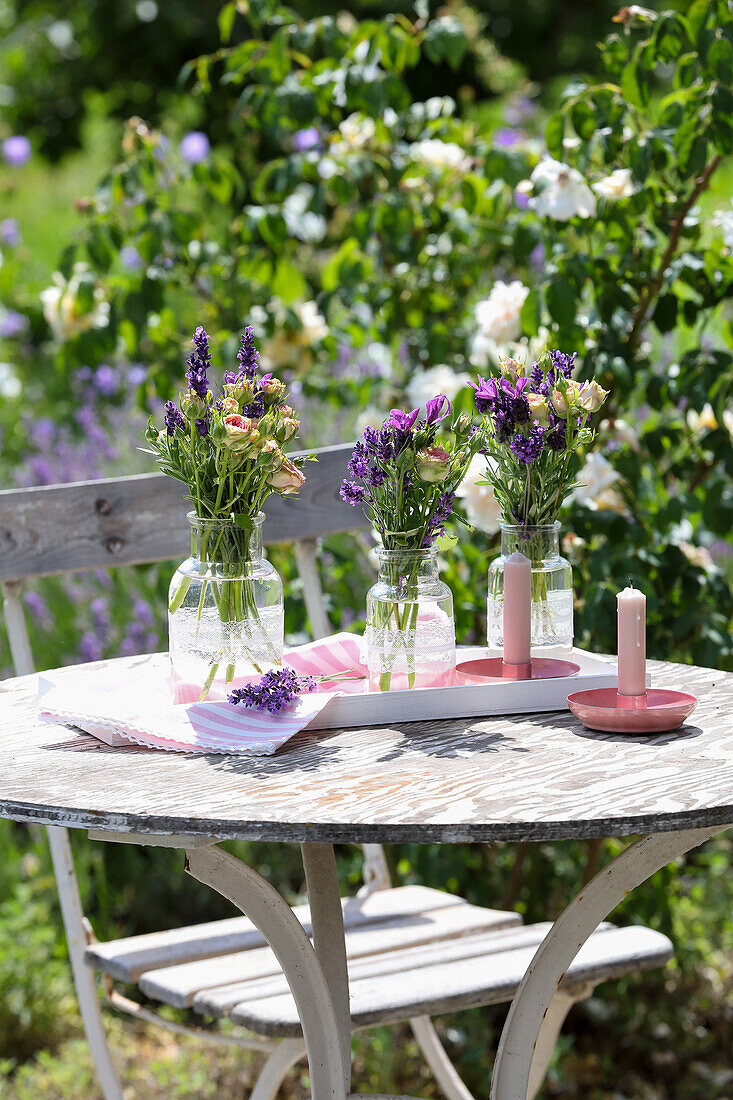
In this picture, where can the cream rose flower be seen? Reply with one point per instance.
(480, 505)
(287, 479)
(539, 410)
(241, 433)
(704, 421)
(369, 418)
(616, 186)
(564, 194)
(498, 316)
(591, 396)
(595, 491)
(433, 464)
(561, 401)
(293, 346)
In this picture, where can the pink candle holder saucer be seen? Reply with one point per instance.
(659, 710)
(483, 670)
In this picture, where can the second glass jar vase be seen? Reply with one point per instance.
(552, 587)
(225, 610)
(411, 640)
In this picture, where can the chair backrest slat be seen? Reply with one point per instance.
(132, 520)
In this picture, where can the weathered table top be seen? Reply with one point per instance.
(529, 777)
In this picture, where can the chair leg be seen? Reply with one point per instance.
(443, 1069)
(86, 989)
(275, 1069)
(551, 1025)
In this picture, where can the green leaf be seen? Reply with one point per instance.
(720, 60)
(561, 302)
(245, 522)
(554, 134)
(531, 314)
(665, 314)
(227, 15)
(445, 40)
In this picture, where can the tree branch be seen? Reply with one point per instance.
(652, 288)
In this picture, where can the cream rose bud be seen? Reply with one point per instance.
(561, 401)
(539, 410)
(240, 432)
(243, 390)
(271, 456)
(591, 396)
(192, 406)
(273, 391)
(433, 464)
(514, 368)
(287, 428)
(230, 405)
(288, 479)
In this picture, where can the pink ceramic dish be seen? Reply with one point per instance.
(655, 712)
(484, 669)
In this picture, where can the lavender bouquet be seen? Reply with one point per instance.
(227, 447)
(405, 479)
(536, 420)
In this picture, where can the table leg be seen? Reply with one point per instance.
(264, 906)
(327, 922)
(510, 1079)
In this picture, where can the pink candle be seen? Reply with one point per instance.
(631, 642)
(517, 609)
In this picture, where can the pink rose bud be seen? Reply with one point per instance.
(271, 457)
(433, 464)
(539, 410)
(288, 479)
(241, 432)
(287, 428)
(562, 401)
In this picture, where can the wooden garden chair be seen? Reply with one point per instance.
(413, 952)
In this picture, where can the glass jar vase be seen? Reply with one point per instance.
(225, 610)
(552, 588)
(411, 637)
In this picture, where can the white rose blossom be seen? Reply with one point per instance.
(369, 418)
(427, 383)
(595, 491)
(294, 345)
(302, 222)
(355, 133)
(480, 505)
(440, 155)
(564, 194)
(621, 432)
(485, 351)
(617, 186)
(498, 316)
(723, 220)
(61, 307)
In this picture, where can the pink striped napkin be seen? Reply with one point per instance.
(101, 702)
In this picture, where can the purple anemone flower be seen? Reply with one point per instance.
(437, 408)
(16, 150)
(398, 418)
(195, 147)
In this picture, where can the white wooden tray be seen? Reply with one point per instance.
(468, 700)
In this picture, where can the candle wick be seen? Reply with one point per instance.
(631, 583)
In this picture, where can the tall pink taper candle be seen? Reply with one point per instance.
(631, 642)
(517, 609)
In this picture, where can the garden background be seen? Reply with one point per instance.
(359, 186)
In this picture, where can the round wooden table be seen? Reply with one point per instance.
(529, 777)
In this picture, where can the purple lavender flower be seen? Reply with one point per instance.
(10, 234)
(107, 380)
(16, 150)
(352, 493)
(38, 608)
(173, 418)
(309, 138)
(359, 461)
(202, 426)
(528, 447)
(198, 363)
(436, 527)
(130, 258)
(90, 647)
(137, 374)
(519, 109)
(275, 691)
(194, 147)
(12, 324)
(537, 256)
(562, 362)
(248, 353)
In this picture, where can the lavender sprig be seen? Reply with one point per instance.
(198, 363)
(275, 691)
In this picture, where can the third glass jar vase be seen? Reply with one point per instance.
(225, 610)
(552, 588)
(411, 639)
